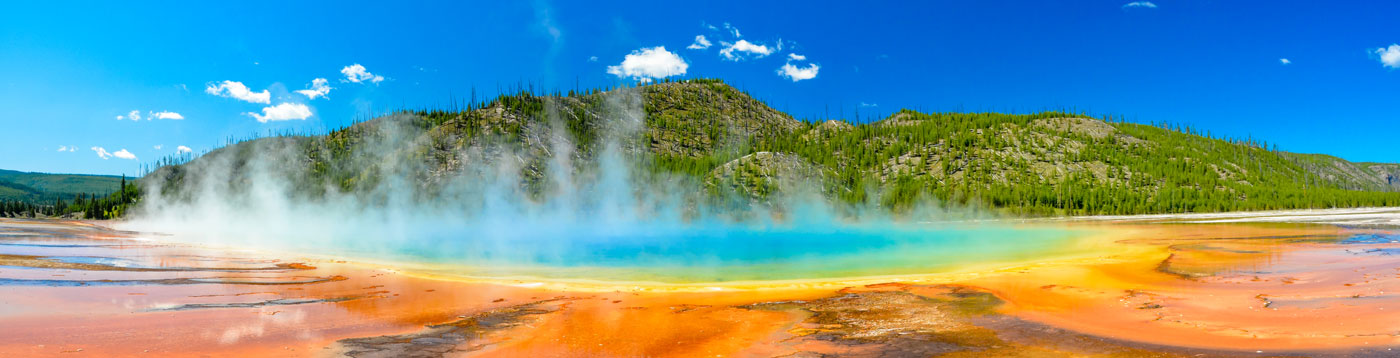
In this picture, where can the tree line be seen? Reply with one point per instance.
(89, 206)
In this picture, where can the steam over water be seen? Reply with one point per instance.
(594, 216)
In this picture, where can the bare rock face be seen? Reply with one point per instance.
(827, 128)
(1387, 174)
(1089, 127)
(896, 120)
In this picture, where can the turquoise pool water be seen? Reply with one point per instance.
(726, 253)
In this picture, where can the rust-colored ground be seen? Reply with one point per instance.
(1156, 290)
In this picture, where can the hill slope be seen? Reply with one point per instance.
(723, 141)
(44, 188)
(1355, 176)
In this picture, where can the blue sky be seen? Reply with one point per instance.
(68, 70)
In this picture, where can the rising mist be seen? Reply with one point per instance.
(506, 205)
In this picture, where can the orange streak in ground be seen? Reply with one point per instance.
(648, 326)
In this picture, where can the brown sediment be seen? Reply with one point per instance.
(276, 302)
(891, 323)
(438, 340)
(900, 320)
(48, 262)
(295, 280)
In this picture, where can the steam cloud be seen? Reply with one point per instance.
(589, 208)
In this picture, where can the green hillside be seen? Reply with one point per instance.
(43, 187)
(730, 145)
(24, 194)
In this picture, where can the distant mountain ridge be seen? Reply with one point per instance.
(1049, 163)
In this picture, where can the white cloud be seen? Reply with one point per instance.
(319, 88)
(1284, 61)
(134, 115)
(237, 90)
(700, 43)
(183, 149)
(66, 148)
(796, 73)
(799, 73)
(648, 63)
(1390, 56)
(282, 112)
(592, 58)
(102, 153)
(166, 115)
(745, 48)
(863, 104)
(158, 146)
(733, 30)
(1142, 4)
(357, 74)
(123, 154)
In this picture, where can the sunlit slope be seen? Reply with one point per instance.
(727, 144)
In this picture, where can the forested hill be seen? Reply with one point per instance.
(1048, 163)
(26, 186)
(17, 186)
(28, 194)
